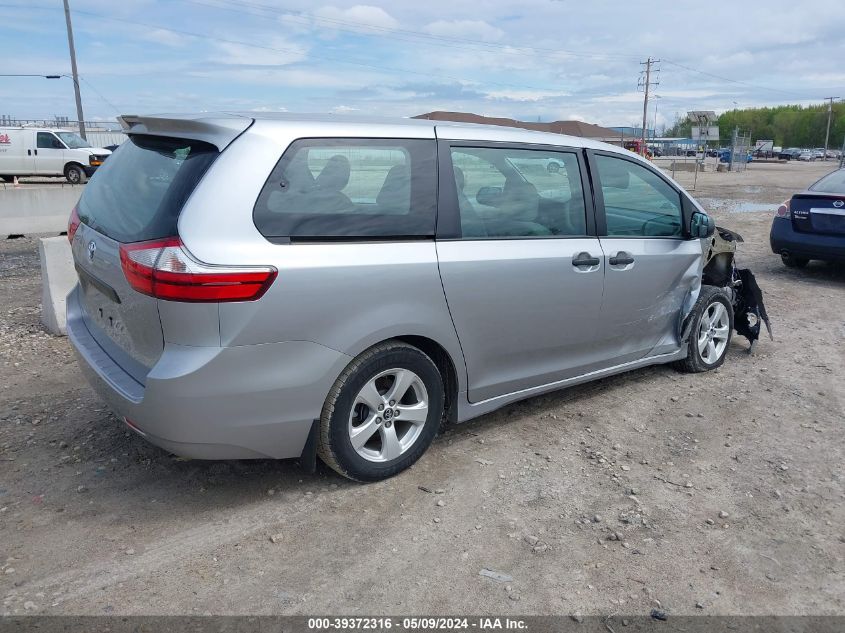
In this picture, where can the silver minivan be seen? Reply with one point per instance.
(255, 286)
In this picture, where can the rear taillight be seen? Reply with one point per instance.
(72, 225)
(165, 270)
(783, 210)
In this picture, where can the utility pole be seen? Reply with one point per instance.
(830, 101)
(646, 83)
(79, 114)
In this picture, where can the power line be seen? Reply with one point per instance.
(728, 79)
(380, 31)
(278, 49)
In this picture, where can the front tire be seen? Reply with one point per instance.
(710, 333)
(382, 413)
(75, 175)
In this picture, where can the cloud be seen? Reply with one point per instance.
(362, 15)
(465, 29)
(167, 38)
(523, 95)
(285, 53)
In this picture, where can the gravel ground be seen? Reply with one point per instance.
(719, 493)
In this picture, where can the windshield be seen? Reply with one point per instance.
(832, 183)
(73, 140)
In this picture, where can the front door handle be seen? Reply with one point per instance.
(585, 259)
(29, 152)
(621, 259)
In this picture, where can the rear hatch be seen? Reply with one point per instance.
(136, 196)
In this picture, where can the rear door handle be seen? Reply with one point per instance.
(585, 259)
(621, 259)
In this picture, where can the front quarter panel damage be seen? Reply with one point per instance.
(720, 270)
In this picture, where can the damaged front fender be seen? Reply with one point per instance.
(720, 270)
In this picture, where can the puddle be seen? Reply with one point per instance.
(737, 206)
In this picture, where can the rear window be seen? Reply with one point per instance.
(138, 192)
(350, 188)
(832, 183)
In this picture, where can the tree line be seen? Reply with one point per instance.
(787, 125)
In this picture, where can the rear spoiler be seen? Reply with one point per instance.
(218, 129)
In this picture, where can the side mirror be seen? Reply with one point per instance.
(702, 225)
(489, 196)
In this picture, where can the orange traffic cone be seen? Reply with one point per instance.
(16, 182)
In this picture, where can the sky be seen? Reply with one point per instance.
(527, 59)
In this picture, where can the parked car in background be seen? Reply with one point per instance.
(791, 153)
(806, 155)
(726, 154)
(367, 281)
(811, 224)
(818, 153)
(28, 151)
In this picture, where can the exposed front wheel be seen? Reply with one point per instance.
(382, 412)
(790, 261)
(710, 332)
(75, 174)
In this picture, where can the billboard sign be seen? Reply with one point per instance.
(705, 133)
(764, 146)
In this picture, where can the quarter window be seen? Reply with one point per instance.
(350, 188)
(638, 202)
(505, 192)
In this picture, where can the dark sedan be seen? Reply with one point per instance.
(811, 224)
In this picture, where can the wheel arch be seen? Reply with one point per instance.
(449, 363)
(73, 163)
(445, 365)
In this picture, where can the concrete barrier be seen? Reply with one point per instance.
(29, 210)
(58, 276)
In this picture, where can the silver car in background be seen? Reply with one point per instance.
(256, 286)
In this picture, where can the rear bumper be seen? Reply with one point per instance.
(784, 239)
(251, 401)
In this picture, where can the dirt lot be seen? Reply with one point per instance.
(719, 493)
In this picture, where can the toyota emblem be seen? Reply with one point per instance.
(838, 204)
(92, 246)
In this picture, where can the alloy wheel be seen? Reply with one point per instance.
(713, 332)
(388, 415)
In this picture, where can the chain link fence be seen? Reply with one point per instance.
(97, 133)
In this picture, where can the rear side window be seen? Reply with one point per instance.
(138, 192)
(350, 188)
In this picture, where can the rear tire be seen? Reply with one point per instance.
(790, 261)
(382, 413)
(710, 332)
(75, 175)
